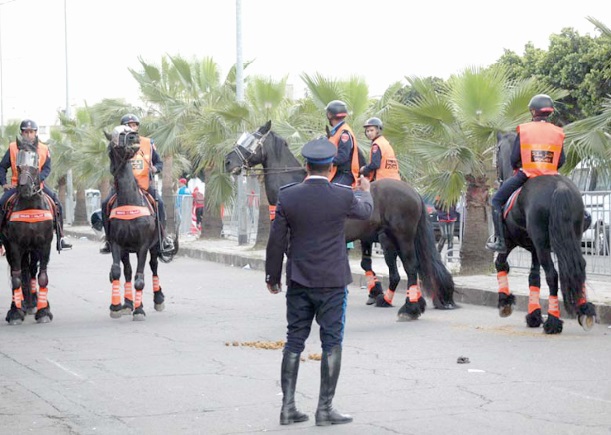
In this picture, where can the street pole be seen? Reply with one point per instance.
(70, 203)
(239, 87)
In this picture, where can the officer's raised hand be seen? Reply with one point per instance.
(363, 184)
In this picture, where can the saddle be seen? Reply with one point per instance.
(28, 215)
(129, 212)
(510, 203)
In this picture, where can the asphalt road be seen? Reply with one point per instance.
(193, 369)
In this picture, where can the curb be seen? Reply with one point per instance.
(462, 294)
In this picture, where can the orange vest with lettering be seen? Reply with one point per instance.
(354, 166)
(540, 148)
(141, 163)
(389, 166)
(43, 152)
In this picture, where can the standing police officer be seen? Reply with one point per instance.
(537, 150)
(346, 163)
(382, 160)
(309, 227)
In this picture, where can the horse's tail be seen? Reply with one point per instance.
(567, 245)
(436, 279)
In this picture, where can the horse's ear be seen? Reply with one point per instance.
(267, 127)
(108, 135)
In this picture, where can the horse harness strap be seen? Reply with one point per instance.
(29, 215)
(129, 212)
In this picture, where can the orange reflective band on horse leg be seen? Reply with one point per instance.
(388, 296)
(372, 279)
(42, 298)
(138, 300)
(18, 297)
(128, 291)
(413, 293)
(583, 299)
(33, 285)
(501, 277)
(533, 299)
(553, 307)
(272, 212)
(116, 292)
(156, 286)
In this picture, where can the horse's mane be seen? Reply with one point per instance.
(503, 154)
(279, 149)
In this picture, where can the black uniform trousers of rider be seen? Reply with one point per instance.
(507, 188)
(327, 305)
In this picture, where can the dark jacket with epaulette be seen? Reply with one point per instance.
(309, 227)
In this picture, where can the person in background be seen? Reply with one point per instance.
(309, 228)
(447, 217)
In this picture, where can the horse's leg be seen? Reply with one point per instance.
(158, 296)
(373, 283)
(16, 314)
(553, 324)
(390, 257)
(43, 309)
(128, 294)
(586, 313)
(28, 304)
(534, 318)
(115, 279)
(139, 313)
(34, 267)
(414, 302)
(506, 299)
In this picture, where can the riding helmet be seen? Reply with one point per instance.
(541, 104)
(337, 108)
(28, 124)
(130, 117)
(374, 122)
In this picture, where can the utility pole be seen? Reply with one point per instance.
(239, 87)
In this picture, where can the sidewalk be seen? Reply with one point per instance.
(472, 289)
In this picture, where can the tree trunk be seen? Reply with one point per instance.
(61, 190)
(264, 225)
(104, 188)
(80, 210)
(475, 259)
(167, 192)
(212, 222)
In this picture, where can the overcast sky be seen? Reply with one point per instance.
(382, 41)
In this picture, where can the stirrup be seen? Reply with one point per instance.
(495, 244)
(167, 245)
(105, 249)
(64, 245)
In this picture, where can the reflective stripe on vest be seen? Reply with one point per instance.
(141, 163)
(389, 166)
(354, 167)
(540, 148)
(43, 152)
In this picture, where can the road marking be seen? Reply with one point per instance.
(67, 370)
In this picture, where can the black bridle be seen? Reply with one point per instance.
(245, 155)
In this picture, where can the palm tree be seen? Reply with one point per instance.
(450, 132)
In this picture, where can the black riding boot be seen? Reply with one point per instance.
(330, 366)
(288, 380)
(61, 242)
(105, 248)
(498, 244)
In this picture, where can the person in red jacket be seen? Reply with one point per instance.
(537, 150)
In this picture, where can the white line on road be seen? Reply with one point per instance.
(67, 370)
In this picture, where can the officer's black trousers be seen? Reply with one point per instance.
(326, 305)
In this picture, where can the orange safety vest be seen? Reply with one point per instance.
(540, 148)
(141, 163)
(389, 166)
(43, 153)
(354, 167)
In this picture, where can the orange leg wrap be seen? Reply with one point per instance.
(33, 285)
(17, 297)
(128, 291)
(42, 298)
(533, 299)
(388, 296)
(156, 286)
(413, 293)
(138, 301)
(501, 277)
(371, 279)
(553, 308)
(583, 299)
(116, 292)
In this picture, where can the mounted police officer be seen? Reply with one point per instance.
(346, 163)
(537, 150)
(382, 160)
(145, 164)
(29, 134)
(309, 227)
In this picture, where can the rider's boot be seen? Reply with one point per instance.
(61, 242)
(498, 244)
(105, 248)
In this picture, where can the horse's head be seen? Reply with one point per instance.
(503, 154)
(28, 180)
(248, 150)
(124, 142)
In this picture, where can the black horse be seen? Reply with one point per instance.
(546, 216)
(133, 228)
(27, 235)
(399, 223)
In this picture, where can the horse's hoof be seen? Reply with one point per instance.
(381, 302)
(370, 300)
(115, 314)
(31, 310)
(15, 321)
(139, 314)
(160, 307)
(127, 308)
(404, 317)
(505, 311)
(44, 319)
(409, 311)
(534, 319)
(586, 322)
(553, 325)
(15, 316)
(158, 300)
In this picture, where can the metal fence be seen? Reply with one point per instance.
(240, 220)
